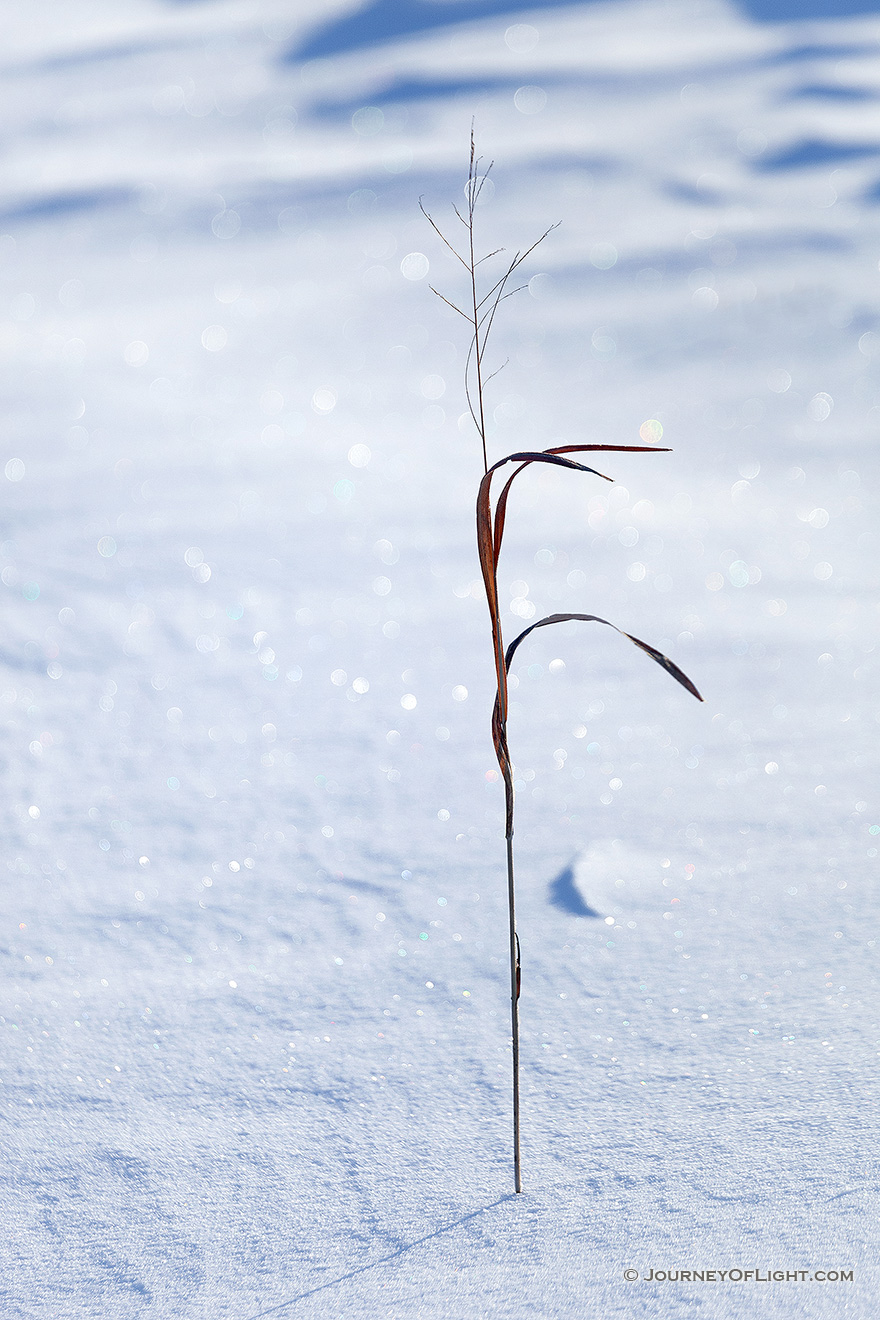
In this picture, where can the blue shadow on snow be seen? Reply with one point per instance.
(383, 1260)
(823, 92)
(565, 894)
(788, 11)
(412, 90)
(389, 20)
(813, 151)
(66, 204)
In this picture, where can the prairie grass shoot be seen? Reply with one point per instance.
(489, 279)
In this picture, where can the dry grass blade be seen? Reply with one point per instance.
(488, 537)
(501, 506)
(671, 668)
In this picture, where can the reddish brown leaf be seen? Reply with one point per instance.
(547, 455)
(661, 659)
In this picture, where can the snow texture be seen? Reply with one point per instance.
(254, 1001)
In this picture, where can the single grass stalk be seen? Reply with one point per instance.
(481, 308)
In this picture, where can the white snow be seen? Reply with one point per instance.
(254, 1002)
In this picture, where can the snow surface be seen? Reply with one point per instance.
(255, 989)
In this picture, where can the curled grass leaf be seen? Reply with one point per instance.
(671, 668)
